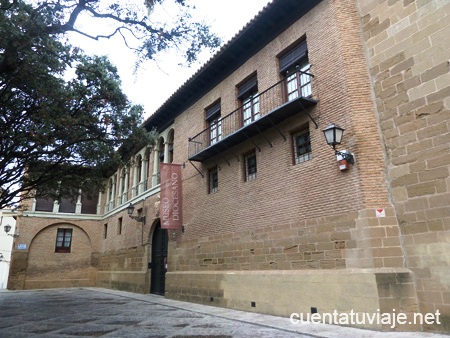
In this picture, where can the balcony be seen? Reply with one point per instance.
(279, 102)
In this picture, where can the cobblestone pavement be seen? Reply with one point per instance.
(93, 312)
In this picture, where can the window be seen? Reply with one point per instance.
(302, 146)
(159, 158)
(298, 82)
(119, 226)
(138, 173)
(213, 180)
(44, 204)
(89, 203)
(250, 109)
(123, 186)
(145, 169)
(67, 205)
(162, 150)
(171, 140)
(295, 67)
(216, 130)
(111, 192)
(248, 95)
(250, 166)
(105, 230)
(63, 240)
(215, 123)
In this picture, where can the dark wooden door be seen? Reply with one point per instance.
(159, 260)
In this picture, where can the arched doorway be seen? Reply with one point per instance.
(159, 260)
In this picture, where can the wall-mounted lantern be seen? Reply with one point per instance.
(333, 135)
(130, 210)
(7, 229)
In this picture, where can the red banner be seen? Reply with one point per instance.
(170, 207)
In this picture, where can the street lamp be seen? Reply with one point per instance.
(333, 135)
(130, 210)
(7, 229)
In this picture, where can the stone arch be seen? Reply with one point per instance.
(155, 223)
(49, 269)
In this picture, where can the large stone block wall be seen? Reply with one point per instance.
(407, 47)
(377, 241)
(282, 293)
(125, 269)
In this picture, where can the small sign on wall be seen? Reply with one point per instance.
(380, 213)
(21, 246)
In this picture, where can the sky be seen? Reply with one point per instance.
(155, 82)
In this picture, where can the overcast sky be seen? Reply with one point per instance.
(154, 83)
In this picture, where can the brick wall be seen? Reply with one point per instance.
(124, 269)
(283, 193)
(407, 47)
(305, 244)
(294, 219)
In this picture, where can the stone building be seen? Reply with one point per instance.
(272, 221)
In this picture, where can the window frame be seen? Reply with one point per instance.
(297, 83)
(215, 129)
(213, 180)
(248, 96)
(89, 203)
(62, 247)
(250, 176)
(250, 104)
(44, 204)
(67, 205)
(304, 155)
(119, 225)
(294, 62)
(214, 121)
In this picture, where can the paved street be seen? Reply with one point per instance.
(94, 312)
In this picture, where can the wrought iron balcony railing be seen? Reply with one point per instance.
(280, 101)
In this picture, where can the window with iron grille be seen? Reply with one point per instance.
(63, 240)
(213, 177)
(302, 146)
(250, 166)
